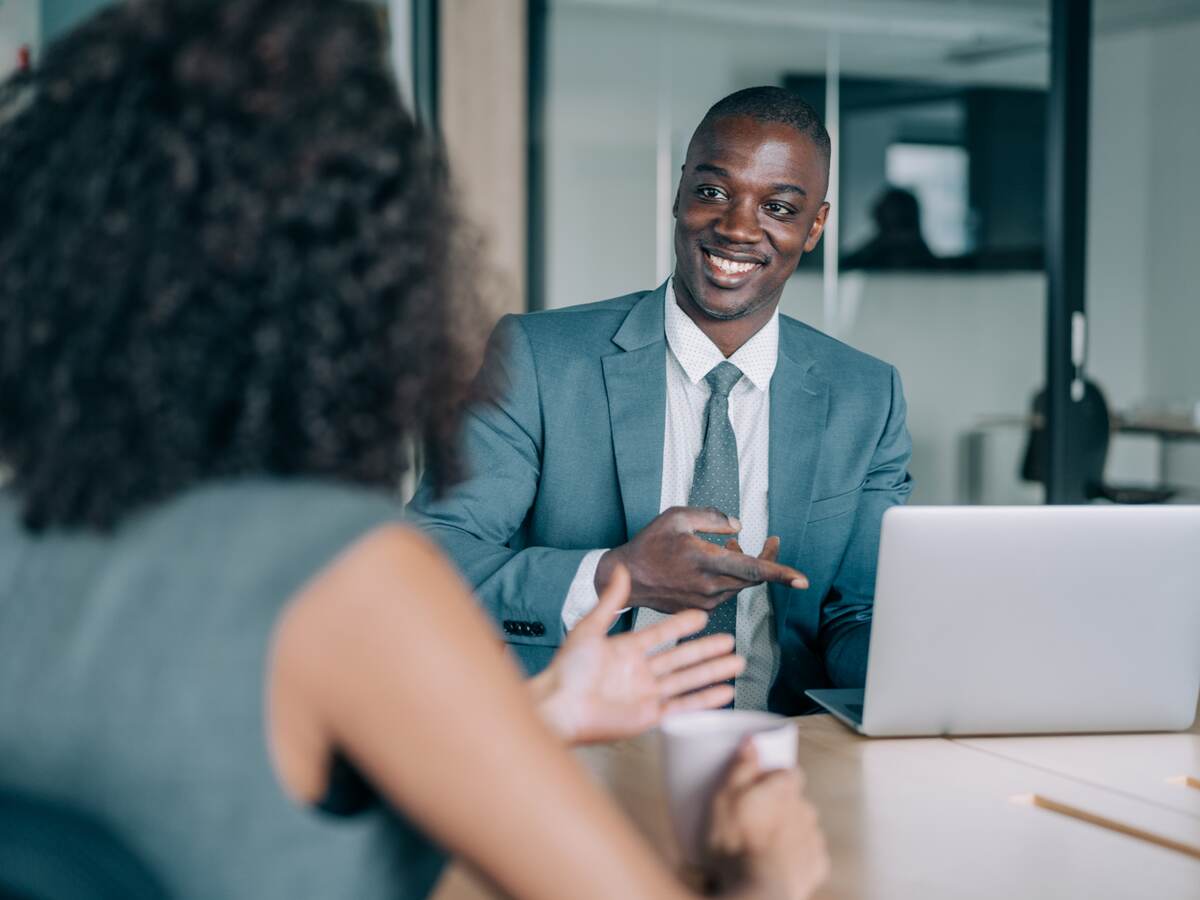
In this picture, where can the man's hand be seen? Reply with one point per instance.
(601, 688)
(672, 569)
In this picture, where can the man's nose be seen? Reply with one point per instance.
(739, 224)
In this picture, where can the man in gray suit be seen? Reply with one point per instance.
(733, 459)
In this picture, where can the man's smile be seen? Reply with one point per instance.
(730, 270)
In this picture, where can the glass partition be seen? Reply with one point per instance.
(932, 259)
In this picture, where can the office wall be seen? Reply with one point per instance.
(1118, 215)
(1173, 284)
(966, 347)
(601, 118)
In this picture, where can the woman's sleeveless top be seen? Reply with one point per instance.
(132, 672)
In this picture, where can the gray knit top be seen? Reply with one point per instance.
(132, 685)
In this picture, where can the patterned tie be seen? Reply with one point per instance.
(715, 481)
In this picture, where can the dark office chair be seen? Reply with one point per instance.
(1096, 431)
(51, 852)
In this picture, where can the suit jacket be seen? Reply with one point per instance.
(567, 457)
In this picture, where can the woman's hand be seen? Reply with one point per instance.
(600, 688)
(764, 835)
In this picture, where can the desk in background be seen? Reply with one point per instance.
(1167, 429)
(929, 818)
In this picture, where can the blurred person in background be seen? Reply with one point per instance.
(233, 290)
(897, 242)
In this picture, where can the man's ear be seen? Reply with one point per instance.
(817, 229)
(675, 205)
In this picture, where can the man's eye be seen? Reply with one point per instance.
(710, 193)
(778, 209)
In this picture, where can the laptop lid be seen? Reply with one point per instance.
(1040, 619)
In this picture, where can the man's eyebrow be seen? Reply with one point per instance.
(782, 188)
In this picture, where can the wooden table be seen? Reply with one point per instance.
(932, 817)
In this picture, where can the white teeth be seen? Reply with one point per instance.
(728, 266)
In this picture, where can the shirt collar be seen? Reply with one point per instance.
(697, 354)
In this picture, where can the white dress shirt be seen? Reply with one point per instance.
(690, 356)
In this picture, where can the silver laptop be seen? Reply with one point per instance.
(1038, 619)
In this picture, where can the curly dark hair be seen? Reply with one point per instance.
(226, 250)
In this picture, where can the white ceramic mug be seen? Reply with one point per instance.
(697, 750)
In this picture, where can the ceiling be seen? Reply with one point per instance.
(997, 40)
(947, 19)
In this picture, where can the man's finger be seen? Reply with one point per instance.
(733, 546)
(753, 569)
(708, 519)
(770, 550)
(689, 653)
(613, 599)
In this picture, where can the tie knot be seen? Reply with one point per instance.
(722, 378)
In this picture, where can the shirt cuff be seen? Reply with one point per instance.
(581, 595)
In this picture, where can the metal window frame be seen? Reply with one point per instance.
(1067, 145)
(537, 72)
(425, 60)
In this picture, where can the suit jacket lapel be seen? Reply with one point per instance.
(799, 407)
(637, 400)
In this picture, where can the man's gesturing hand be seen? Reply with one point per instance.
(672, 569)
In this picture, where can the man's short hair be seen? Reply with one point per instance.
(772, 104)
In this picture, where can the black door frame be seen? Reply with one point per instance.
(538, 72)
(1067, 144)
(425, 41)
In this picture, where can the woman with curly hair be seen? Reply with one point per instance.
(234, 295)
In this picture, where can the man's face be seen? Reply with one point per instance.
(751, 202)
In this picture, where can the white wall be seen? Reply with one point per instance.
(1174, 215)
(966, 345)
(1173, 346)
(1144, 220)
(1118, 215)
(601, 110)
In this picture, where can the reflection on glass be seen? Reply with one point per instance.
(935, 177)
(898, 242)
(971, 159)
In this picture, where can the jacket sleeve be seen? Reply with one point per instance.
(845, 625)
(477, 522)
